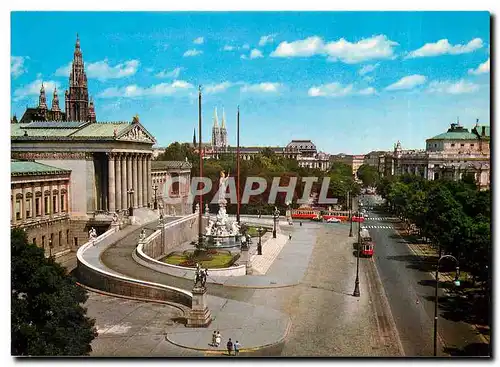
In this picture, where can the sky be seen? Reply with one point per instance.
(352, 82)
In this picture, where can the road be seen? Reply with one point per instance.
(410, 290)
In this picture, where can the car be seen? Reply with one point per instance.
(365, 215)
(333, 220)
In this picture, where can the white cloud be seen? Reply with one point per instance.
(266, 87)
(217, 88)
(264, 40)
(246, 46)
(368, 69)
(368, 78)
(307, 47)
(33, 89)
(134, 91)
(244, 57)
(228, 48)
(64, 70)
(367, 91)
(17, 67)
(101, 70)
(338, 90)
(169, 74)
(376, 47)
(193, 52)
(199, 41)
(460, 87)
(408, 82)
(443, 47)
(481, 69)
(255, 54)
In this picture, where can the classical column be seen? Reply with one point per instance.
(42, 200)
(148, 160)
(118, 181)
(33, 207)
(58, 196)
(111, 182)
(140, 202)
(124, 181)
(144, 181)
(23, 202)
(135, 167)
(13, 205)
(130, 181)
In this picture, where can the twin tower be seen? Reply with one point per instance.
(219, 133)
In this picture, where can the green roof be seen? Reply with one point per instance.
(26, 168)
(458, 135)
(22, 129)
(479, 131)
(102, 129)
(160, 165)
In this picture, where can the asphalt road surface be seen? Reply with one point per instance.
(410, 291)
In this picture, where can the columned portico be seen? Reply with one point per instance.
(135, 166)
(144, 181)
(129, 179)
(111, 183)
(148, 160)
(140, 180)
(123, 160)
(118, 182)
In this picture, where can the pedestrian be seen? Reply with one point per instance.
(218, 339)
(300, 224)
(214, 339)
(237, 346)
(289, 236)
(229, 347)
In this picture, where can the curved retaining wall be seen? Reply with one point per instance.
(97, 277)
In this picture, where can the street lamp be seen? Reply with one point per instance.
(356, 284)
(51, 246)
(350, 212)
(160, 224)
(130, 206)
(259, 245)
(457, 284)
(155, 205)
(276, 215)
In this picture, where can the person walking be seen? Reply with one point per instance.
(237, 346)
(218, 339)
(214, 339)
(229, 347)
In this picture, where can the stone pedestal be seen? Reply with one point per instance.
(245, 259)
(200, 315)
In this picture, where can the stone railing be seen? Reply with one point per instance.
(94, 274)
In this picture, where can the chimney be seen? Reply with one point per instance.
(483, 130)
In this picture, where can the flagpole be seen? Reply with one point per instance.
(238, 168)
(200, 234)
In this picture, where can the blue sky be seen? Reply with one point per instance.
(351, 82)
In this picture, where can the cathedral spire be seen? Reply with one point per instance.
(216, 120)
(223, 124)
(55, 101)
(42, 101)
(91, 116)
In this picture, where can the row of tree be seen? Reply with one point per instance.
(454, 215)
(267, 165)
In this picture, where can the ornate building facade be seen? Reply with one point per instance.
(448, 155)
(77, 104)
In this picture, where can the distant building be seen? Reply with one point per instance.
(163, 171)
(448, 155)
(355, 161)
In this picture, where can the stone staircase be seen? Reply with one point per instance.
(145, 215)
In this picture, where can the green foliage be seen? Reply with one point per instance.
(47, 316)
(454, 215)
(178, 152)
(368, 175)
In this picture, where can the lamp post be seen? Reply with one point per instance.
(356, 284)
(50, 248)
(350, 212)
(456, 282)
(276, 215)
(160, 224)
(155, 204)
(130, 205)
(259, 245)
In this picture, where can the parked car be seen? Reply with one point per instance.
(333, 220)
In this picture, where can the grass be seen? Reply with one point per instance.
(217, 260)
(252, 231)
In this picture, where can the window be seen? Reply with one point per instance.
(46, 202)
(452, 144)
(471, 145)
(60, 239)
(34, 241)
(67, 237)
(62, 203)
(462, 145)
(37, 207)
(54, 204)
(76, 241)
(28, 208)
(18, 209)
(43, 241)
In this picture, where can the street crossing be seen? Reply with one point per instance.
(379, 226)
(383, 218)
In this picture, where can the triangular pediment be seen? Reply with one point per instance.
(136, 132)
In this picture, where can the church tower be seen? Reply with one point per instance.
(223, 131)
(77, 99)
(42, 100)
(215, 131)
(56, 110)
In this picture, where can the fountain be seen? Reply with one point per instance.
(221, 231)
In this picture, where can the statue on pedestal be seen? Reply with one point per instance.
(142, 236)
(92, 233)
(200, 276)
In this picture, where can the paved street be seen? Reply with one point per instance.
(410, 291)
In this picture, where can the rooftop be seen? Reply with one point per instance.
(161, 165)
(27, 168)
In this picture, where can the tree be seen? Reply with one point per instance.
(47, 316)
(368, 174)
